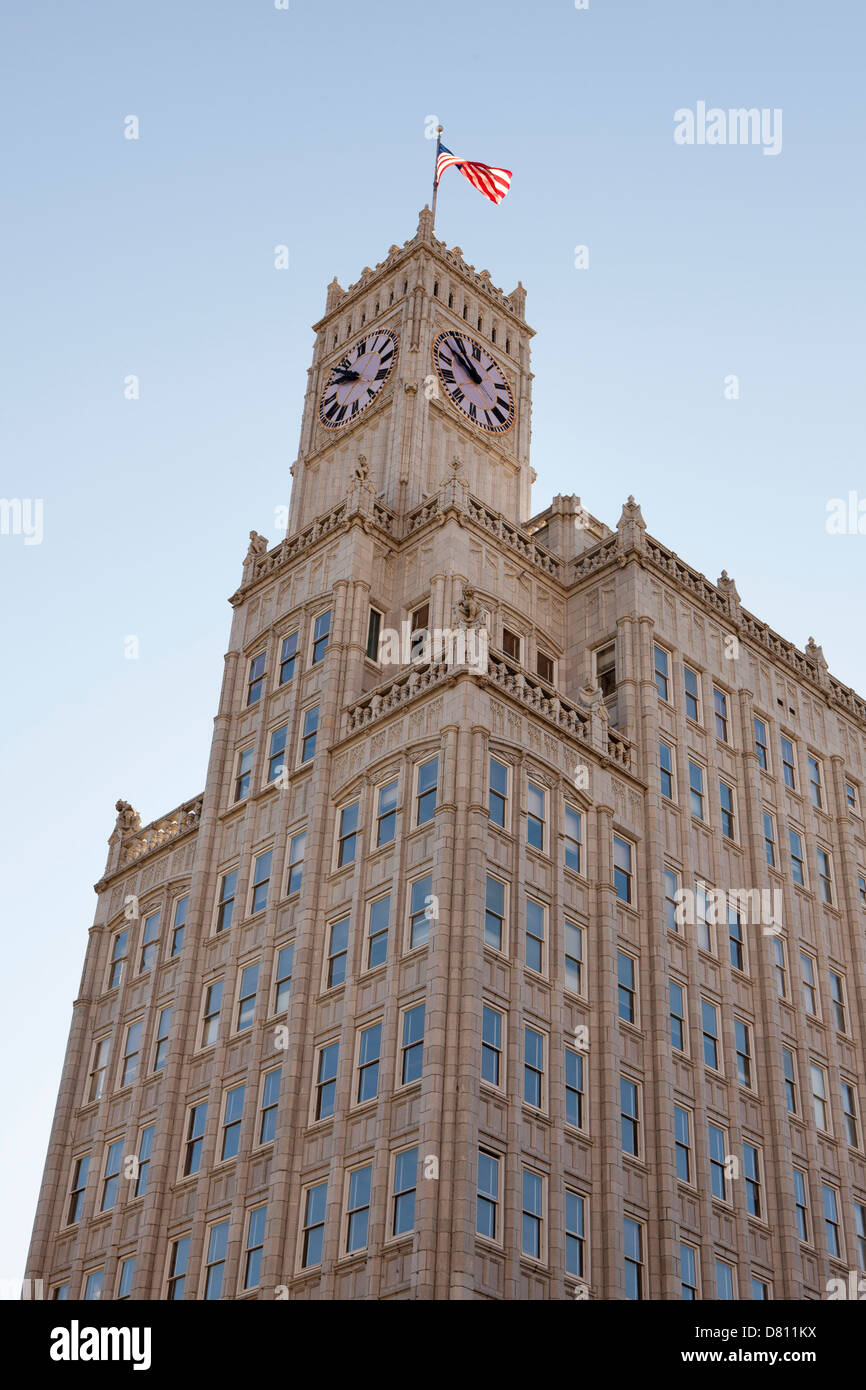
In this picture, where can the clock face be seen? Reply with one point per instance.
(474, 381)
(357, 378)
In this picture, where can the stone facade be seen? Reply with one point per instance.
(602, 644)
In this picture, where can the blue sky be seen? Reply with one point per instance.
(305, 127)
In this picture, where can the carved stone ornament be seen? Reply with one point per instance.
(127, 817)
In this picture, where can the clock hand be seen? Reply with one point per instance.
(467, 366)
(347, 376)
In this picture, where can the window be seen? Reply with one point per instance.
(277, 752)
(487, 1195)
(111, 1175)
(511, 644)
(213, 1002)
(177, 1264)
(60, 1293)
(661, 671)
(850, 1114)
(369, 1052)
(839, 1001)
(536, 816)
(788, 763)
(736, 943)
(491, 1045)
(825, 875)
(760, 1290)
(358, 1208)
(118, 958)
(531, 1230)
(217, 1245)
(261, 880)
(626, 987)
(98, 1069)
(544, 667)
(534, 936)
(575, 1262)
(233, 1111)
(683, 1143)
(93, 1286)
(801, 1204)
(412, 1049)
(374, 628)
(256, 679)
(710, 1028)
(605, 670)
(494, 914)
(696, 790)
(770, 839)
(326, 1080)
(852, 798)
(378, 923)
(702, 919)
(860, 1231)
(861, 885)
(634, 1266)
(80, 1170)
(418, 624)
(743, 1039)
(831, 1220)
(672, 888)
(533, 1067)
(720, 710)
(816, 788)
(196, 1120)
(761, 743)
(688, 1272)
(574, 1088)
(131, 1051)
(573, 839)
(145, 1149)
(726, 799)
(179, 925)
(296, 862)
(247, 996)
(780, 966)
(244, 772)
(270, 1102)
(752, 1175)
(338, 953)
(622, 869)
(629, 1116)
(288, 657)
(226, 901)
(348, 834)
(820, 1108)
(666, 769)
(573, 958)
(692, 684)
(127, 1274)
(405, 1182)
(798, 862)
(255, 1245)
(425, 798)
(724, 1279)
(386, 813)
(420, 911)
(321, 636)
(789, 1068)
(149, 943)
(678, 1016)
(497, 801)
(309, 732)
(163, 1029)
(283, 980)
(718, 1162)
(810, 992)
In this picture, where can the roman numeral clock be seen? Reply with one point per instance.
(474, 381)
(356, 380)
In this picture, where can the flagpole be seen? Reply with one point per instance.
(439, 130)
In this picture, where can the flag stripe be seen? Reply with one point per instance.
(493, 183)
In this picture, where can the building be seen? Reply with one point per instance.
(532, 970)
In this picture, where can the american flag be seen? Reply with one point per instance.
(493, 183)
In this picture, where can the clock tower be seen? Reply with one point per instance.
(422, 361)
